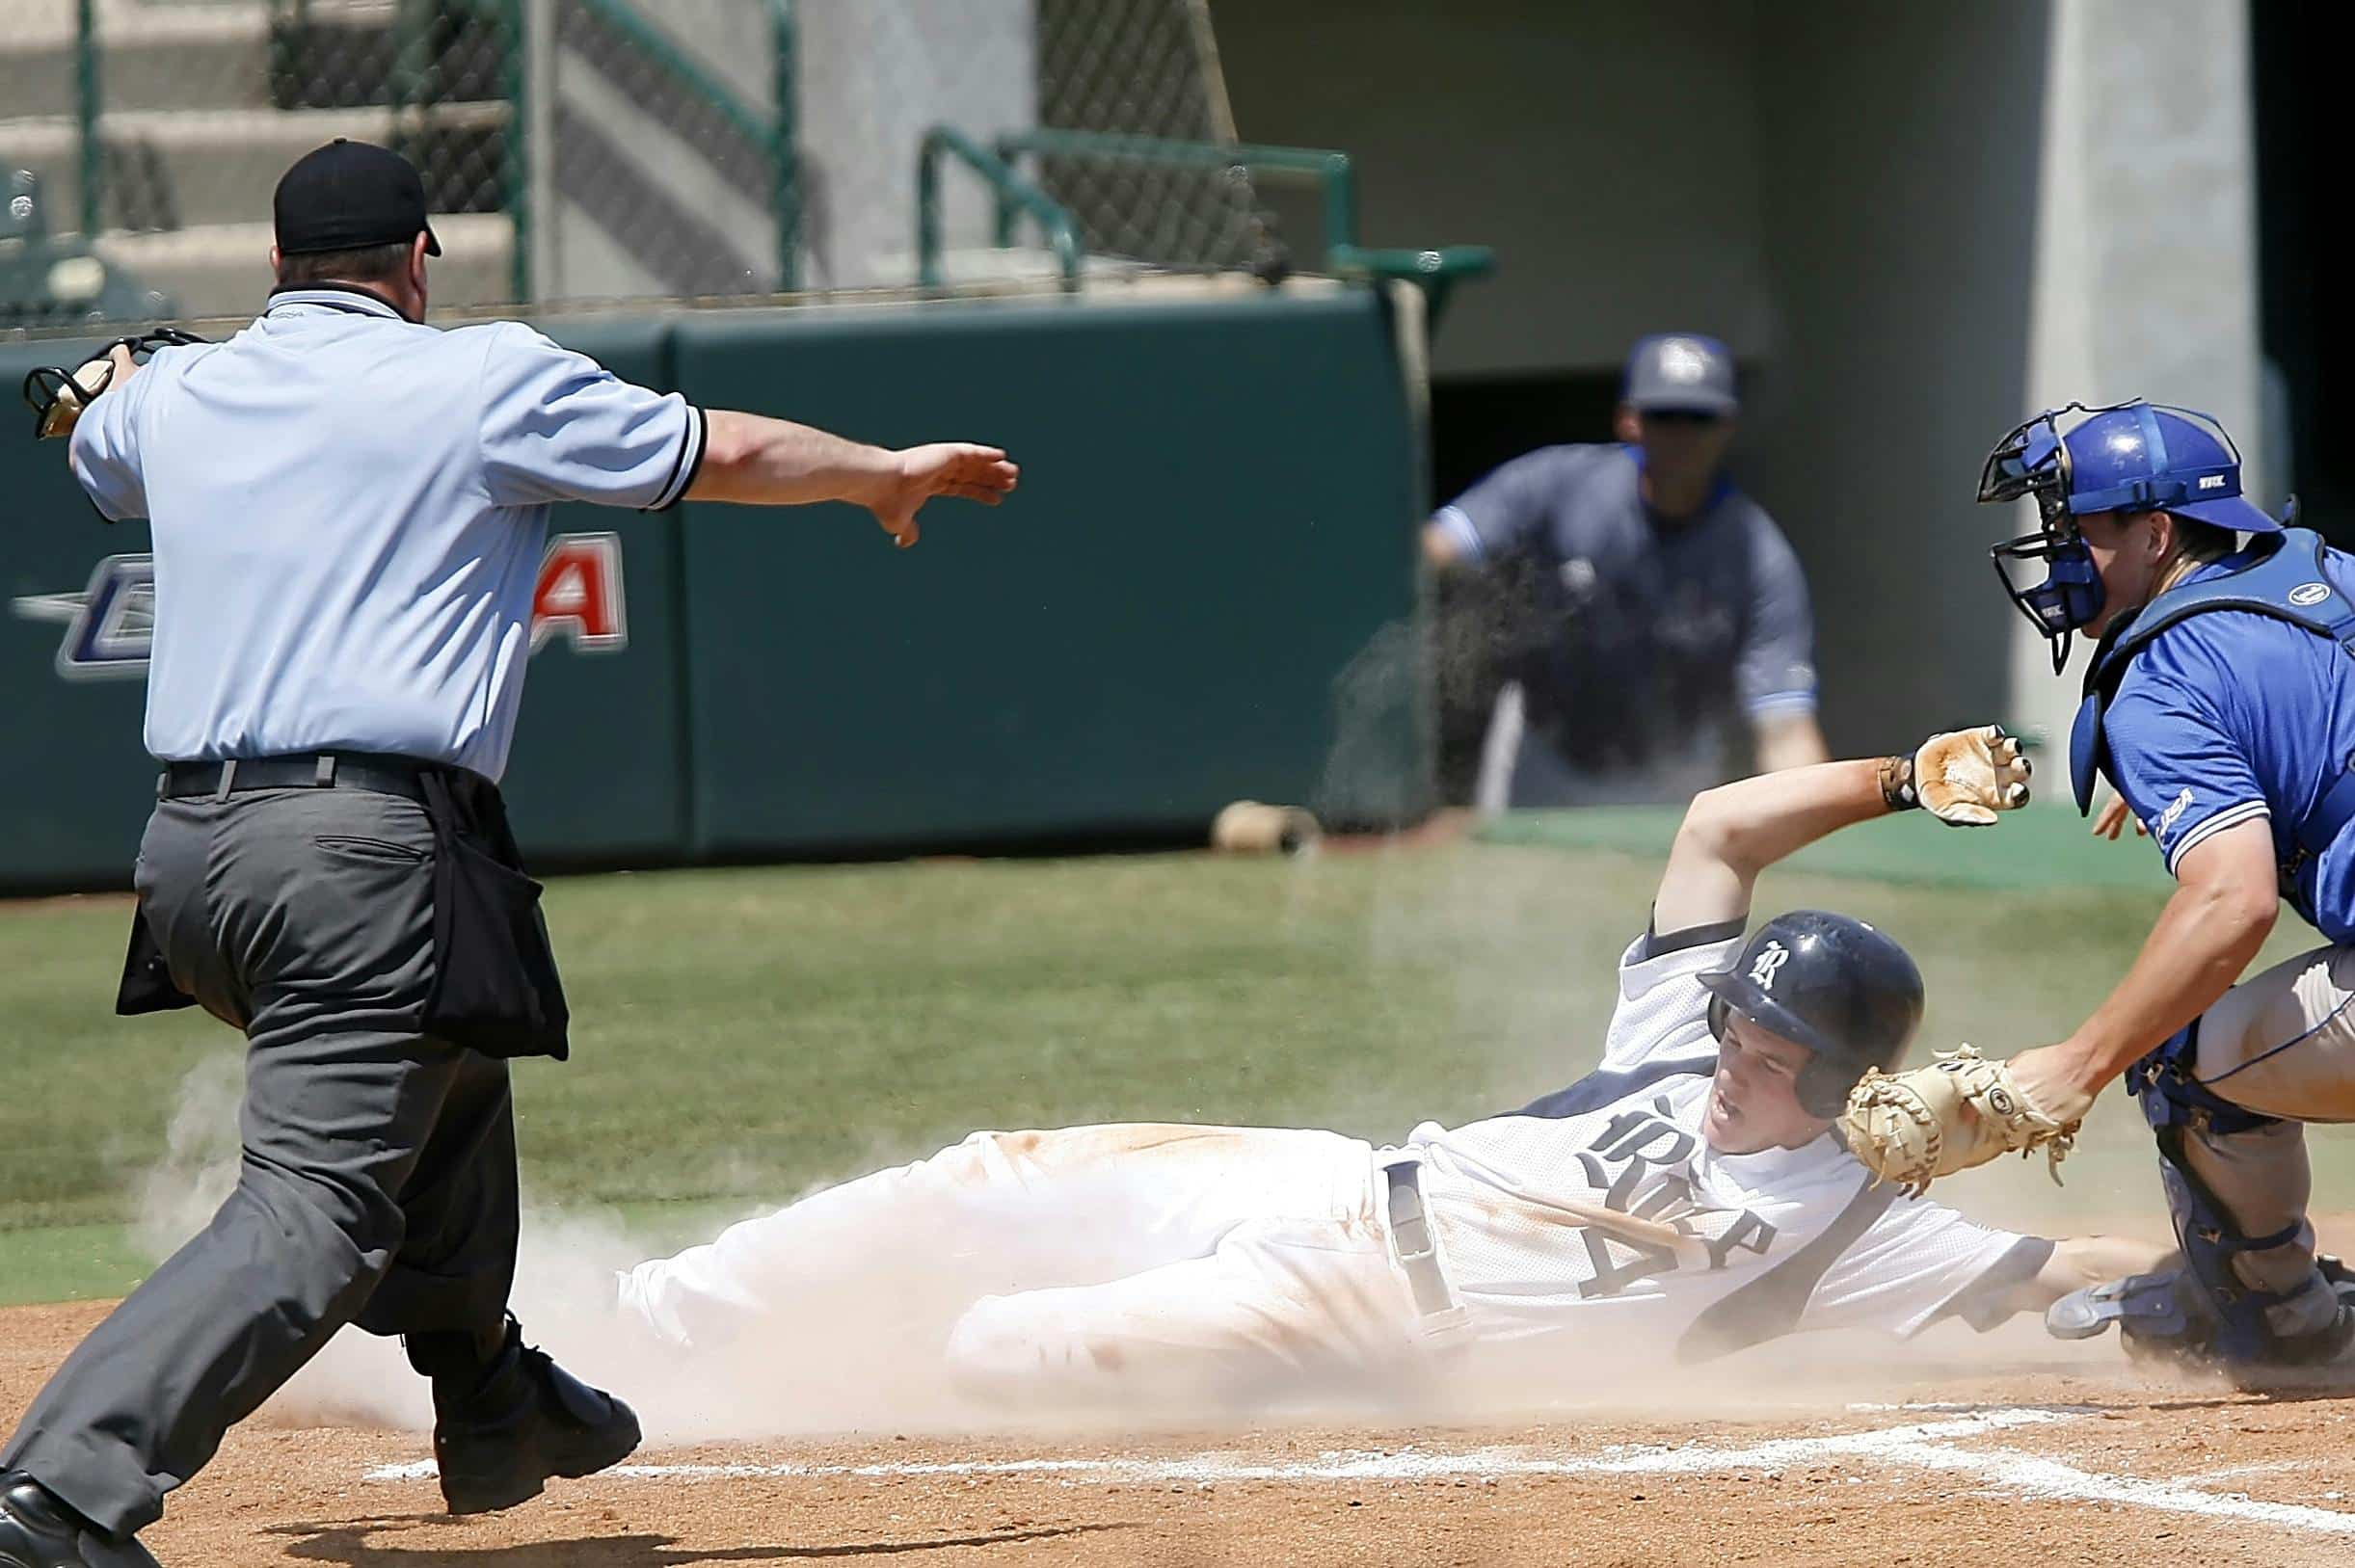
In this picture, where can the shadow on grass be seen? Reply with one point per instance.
(353, 1543)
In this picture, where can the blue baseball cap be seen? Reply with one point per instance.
(1681, 372)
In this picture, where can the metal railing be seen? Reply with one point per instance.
(1435, 272)
(463, 87)
(86, 110)
(775, 132)
(514, 77)
(416, 81)
(1009, 191)
(1332, 169)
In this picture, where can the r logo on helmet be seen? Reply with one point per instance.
(1770, 957)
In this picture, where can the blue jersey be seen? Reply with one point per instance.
(2230, 716)
(1643, 641)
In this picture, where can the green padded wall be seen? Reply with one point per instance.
(598, 771)
(1215, 519)
(1203, 591)
(75, 784)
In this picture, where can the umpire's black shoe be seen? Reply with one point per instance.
(39, 1530)
(529, 1419)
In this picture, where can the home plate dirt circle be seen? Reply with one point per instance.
(1925, 1444)
(2036, 1468)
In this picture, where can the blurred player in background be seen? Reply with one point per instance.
(1667, 627)
(1683, 1201)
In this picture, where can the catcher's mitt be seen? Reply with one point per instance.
(58, 395)
(1961, 1111)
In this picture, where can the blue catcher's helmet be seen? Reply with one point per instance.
(2129, 457)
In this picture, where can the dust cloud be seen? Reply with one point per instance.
(800, 1365)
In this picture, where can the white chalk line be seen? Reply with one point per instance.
(1921, 1445)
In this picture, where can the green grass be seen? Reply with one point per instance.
(743, 1034)
(2049, 846)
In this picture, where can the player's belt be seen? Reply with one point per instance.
(1418, 1254)
(371, 771)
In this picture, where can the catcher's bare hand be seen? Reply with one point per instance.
(923, 473)
(1961, 1111)
(2114, 816)
(1965, 777)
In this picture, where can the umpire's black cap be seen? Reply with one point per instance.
(348, 196)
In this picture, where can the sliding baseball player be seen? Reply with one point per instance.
(1686, 1197)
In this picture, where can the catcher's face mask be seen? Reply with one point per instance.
(2033, 461)
(58, 396)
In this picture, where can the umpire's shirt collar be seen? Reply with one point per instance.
(347, 298)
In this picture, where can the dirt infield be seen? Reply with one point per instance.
(2082, 1462)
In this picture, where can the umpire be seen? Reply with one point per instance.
(348, 510)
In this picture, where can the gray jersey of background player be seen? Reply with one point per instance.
(1665, 615)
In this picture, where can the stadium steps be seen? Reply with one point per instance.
(194, 145)
(189, 168)
(221, 270)
(157, 56)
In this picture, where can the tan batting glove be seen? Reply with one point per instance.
(1964, 776)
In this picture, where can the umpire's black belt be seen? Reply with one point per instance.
(373, 771)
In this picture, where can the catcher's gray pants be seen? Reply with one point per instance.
(2281, 1043)
(378, 1184)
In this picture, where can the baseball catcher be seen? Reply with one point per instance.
(1686, 1199)
(2219, 702)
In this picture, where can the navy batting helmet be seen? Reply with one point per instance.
(1835, 985)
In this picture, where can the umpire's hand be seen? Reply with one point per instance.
(971, 473)
(751, 460)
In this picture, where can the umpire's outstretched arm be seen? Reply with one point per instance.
(761, 461)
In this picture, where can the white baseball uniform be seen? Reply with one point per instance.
(1117, 1260)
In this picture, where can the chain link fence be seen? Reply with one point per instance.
(150, 133)
(1147, 67)
(595, 148)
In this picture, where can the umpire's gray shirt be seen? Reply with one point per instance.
(349, 512)
(1643, 642)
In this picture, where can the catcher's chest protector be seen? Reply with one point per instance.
(2281, 577)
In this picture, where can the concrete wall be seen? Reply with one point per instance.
(2145, 256)
(640, 193)
(638, 189)
(1899, 154)
(1608, 152)
(873, 76)
(1916, 225)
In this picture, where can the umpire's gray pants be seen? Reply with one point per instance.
(378, 1184)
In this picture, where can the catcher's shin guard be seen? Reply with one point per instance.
(2161, 1313)
(2210, 1308)
(2166, 1315)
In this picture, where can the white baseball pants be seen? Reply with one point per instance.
(1090, 1262)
